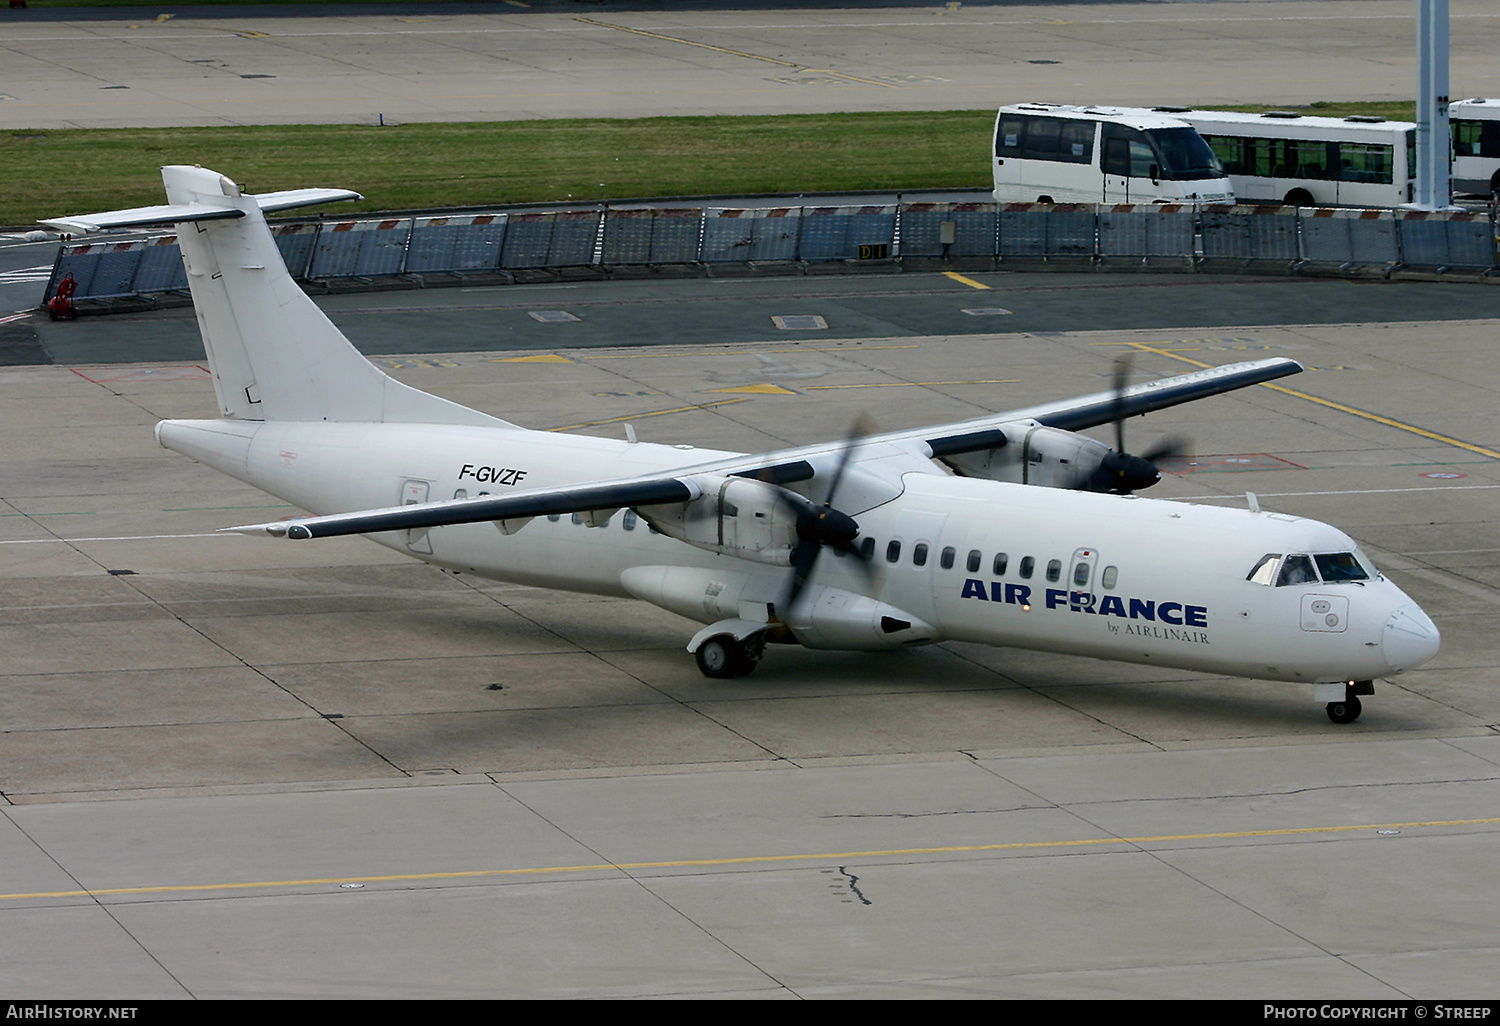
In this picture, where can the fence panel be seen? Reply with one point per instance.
(668, 235)
(846, 233)
(160, 268)
(564, 238)
(1047, 230)
(1146, 230)
(469, 242)
(1446, 239)
(1338, 236)
(743, 236)
(973, 231)
(101, 270)
(295, 243)
(1250, 233)
(360, 249)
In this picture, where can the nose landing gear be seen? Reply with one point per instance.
(1347, 709)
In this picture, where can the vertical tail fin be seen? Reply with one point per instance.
(274, 355)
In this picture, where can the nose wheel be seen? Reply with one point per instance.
(1348, 710)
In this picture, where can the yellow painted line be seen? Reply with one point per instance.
(965, 281)
(745, 860)
(762, 389)
(744, 352)
(642, 416)
(903, 384)
(734, 53)
(548, 358)
(1352, 411)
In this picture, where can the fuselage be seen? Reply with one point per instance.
(1114, 577)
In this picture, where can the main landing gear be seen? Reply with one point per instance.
(1347, 709)
(724, 656)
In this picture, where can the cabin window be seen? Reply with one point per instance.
(1054, 570)
(1028, 567)
(1002, 560)
(462, 493)
(919, 554)
(946, 559)
(1081, 575)
(892, 551)
(629, 520)
(554, 517)
(578, 518)
(1264, 571)
(1296, 569)
(1340, 566)
(1111, 573)
(975, 557)
(867, 548)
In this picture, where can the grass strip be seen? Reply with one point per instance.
(48, 173)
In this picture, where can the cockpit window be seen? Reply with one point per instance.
(1264, 571)
(1340, 566)
(1296, 569)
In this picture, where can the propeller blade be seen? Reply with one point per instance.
(1122, 375)
(1169, 447)
(824, 526)
(863, 426)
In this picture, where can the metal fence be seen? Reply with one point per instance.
(1165, 235)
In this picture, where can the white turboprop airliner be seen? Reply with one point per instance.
(1008, 529)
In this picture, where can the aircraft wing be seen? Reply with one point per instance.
(787, 465)
(518, 506)
(1103, 407)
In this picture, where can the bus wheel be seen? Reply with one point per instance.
(1044, 199)
(1298, 198)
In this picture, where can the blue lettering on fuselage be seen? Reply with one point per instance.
(1178, 614)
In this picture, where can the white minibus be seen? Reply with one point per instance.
(1050, 153)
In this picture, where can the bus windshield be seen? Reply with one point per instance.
(1185, 156)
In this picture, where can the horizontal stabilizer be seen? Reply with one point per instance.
(171, 213)
(271, 202)
(178, 213)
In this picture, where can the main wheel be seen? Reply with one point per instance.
(715, 658)
(1346, 711)
(722, 656)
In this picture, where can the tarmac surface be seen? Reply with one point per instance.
(236, 767)
(260, 65)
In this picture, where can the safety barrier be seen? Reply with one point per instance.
(1270, 238)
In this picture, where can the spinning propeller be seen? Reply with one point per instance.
(823, 526)
(1120, 471)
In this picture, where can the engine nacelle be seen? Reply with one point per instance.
(735, 516)
(1036, 455)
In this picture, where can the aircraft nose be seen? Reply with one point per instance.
(1410, 638)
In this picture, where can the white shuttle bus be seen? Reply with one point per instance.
(1304, 161)
(1049, 153)
(1476, 145)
